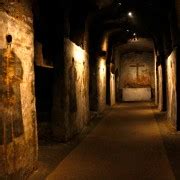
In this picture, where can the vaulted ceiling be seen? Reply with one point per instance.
(149, 19)
(148, 16)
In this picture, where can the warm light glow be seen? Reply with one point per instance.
(79, 60)
(102, 69)
(102, 65)
(130, 14)
(105, 44)
(135, 37)
(79, 54)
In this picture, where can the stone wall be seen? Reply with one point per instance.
(156, 78)
(171, 88)
(112, 89)
(132, 76)
(39, 58)
(111, 85)
(101, 84)
(71, 111)
(38, 54)
(18, 137)
(98, 77)
(160, 88)
(128, 63)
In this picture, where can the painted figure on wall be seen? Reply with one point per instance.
(11, 74)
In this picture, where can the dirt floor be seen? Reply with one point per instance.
(128, 141)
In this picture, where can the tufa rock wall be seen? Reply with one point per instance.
(18, 135)
(160, 88)
(171, 88)
(98, 85)
(71, 112)
(101, 84)
(112, 89)
(132, 76)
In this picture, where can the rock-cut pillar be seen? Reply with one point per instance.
(18, 138)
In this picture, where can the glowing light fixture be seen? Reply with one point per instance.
(119, 4)
(130, 14)
(127, 30)
(135, 37)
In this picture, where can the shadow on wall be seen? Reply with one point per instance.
(44, 97)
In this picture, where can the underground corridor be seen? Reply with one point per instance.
(89, 89)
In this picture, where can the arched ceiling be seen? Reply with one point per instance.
(107, 17)
(145, 44)
(148, 18)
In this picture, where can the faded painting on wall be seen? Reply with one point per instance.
(11, 74)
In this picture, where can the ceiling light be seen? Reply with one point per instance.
(130, 14)
(134, 34)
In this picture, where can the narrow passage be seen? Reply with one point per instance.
(125, 145)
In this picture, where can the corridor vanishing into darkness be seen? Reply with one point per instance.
(89, 89)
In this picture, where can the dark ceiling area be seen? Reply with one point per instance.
(148, 18)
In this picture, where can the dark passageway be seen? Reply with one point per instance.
(89, 89)
(126, 144)
(131, 141)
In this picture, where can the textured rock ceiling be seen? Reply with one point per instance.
(103, 3)
(144, 44)
(149, 18)
(108, 16)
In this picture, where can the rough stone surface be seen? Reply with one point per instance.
(112, 89)
(130, 76)
(111, 86)
(72, 113)
(98, 80)
(135, 70)
(136, 94)
(145, 44)
(38, 55)
(101, 84)
(39, 58)
(160, 88)
(19, 145)
(21, 10)
(171, 141)
(93, 88)
(156, 78)
(171, 88)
